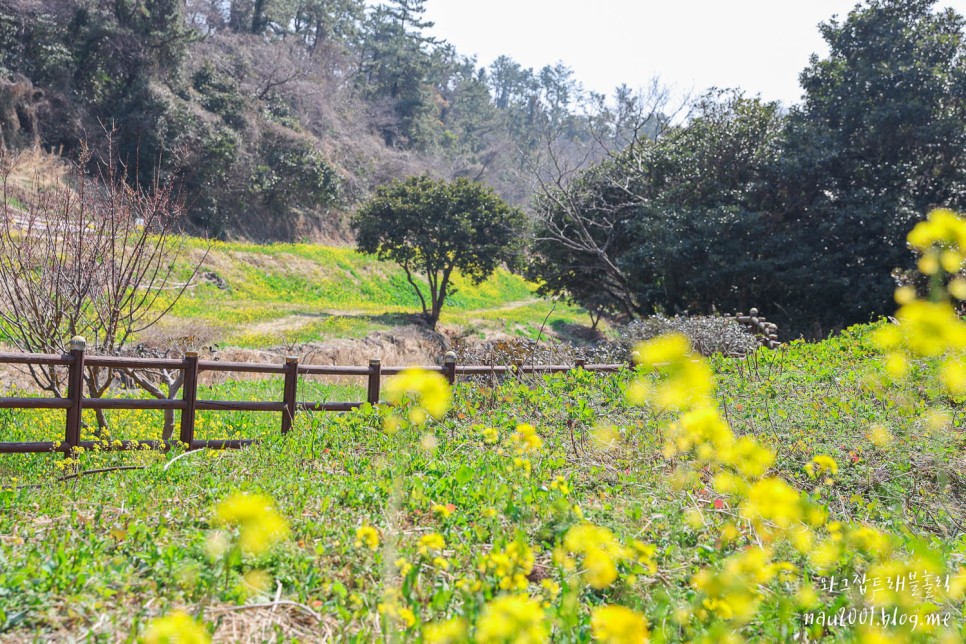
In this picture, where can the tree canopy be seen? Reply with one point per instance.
(434, 227)
(801, 212)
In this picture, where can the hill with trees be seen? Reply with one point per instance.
(276, 117)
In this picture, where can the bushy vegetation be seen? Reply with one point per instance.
(746, 203)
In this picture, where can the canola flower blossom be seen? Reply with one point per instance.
(259, 524)
(429, 390)
(526, 439)
(368, 537)
(687, 381)
(510, 565)
(820, 465)
(432, 542)
(176, 628)
(618, 625)
(600, 550)
(451, 631)
(512, 618)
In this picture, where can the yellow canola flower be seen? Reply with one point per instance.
(942, 228)
(395, 613)
(176, 628)
(702, 429)
(560, 483)
(618, 625)
(512, 618)
(367, 536)
(601, 551)
(403, 566)
(879, 436)
(748, 456)
(644, 554)
(664, 350)
(526, 439)
(428, 389)
(957, 288)
(869, 540)
(259, 523)
(822, 464)
(928, 329)
(687, 381)
(431, 542)
(772, 499)
(732, 593)
(510, 565)
(452, 631)
(952, 375)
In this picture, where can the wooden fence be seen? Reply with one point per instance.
(75, 401)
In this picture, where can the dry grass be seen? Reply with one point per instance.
(32, 170)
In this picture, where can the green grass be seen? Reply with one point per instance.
(296, 293)
(101, 555)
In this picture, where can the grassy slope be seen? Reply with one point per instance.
(91, 553)
(289, 293)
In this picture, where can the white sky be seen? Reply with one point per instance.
(758, 45)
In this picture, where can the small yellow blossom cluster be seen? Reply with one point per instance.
(452, 631)
(599, 550)
(368, 537)
(733, 593)
(176, 628)
(560, 483)
(618, 625)
(822, 465)
(702, 439)
(526, 441)
(429, 392)
(510, 565)
(393, 610)
(931, 328)
(686, 382)
(941, 239)
(512, 618)
(430, 543)
(431, 547)
(259, 524)
(490, 435)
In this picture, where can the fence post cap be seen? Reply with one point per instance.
(753, 312)
(374, 361)
(291, 359)
(635, 357)
(450, 357)
(78, 343)
(190, 354)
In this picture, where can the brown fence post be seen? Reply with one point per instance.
(290, 392)
(75, 391)
(375, 377)
(580, 363)
(190, 396)
(449, 367)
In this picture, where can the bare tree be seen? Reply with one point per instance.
(97, 258)
(581, 209)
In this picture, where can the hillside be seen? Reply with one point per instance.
(262, 296)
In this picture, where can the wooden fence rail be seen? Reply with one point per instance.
(75, 401)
